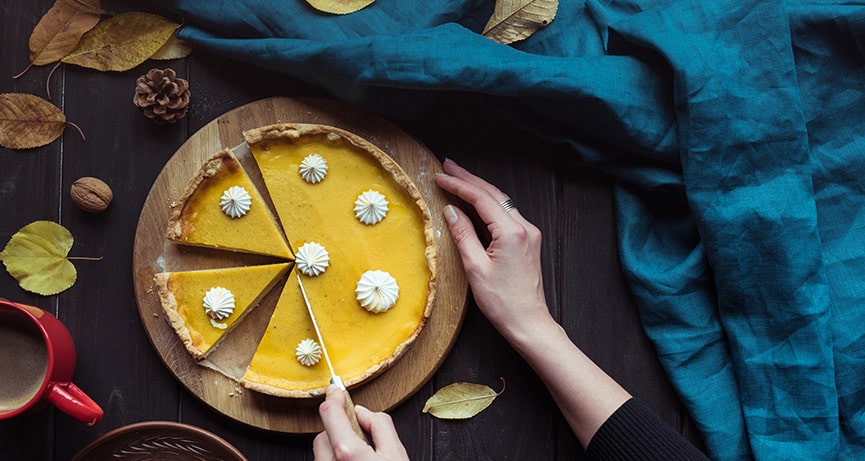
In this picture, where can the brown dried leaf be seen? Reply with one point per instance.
(28, 121)
(514, 20)
(122, 42)
(60, 29)
(339, 6)
(174, 48)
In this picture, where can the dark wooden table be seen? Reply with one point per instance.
(118, 366)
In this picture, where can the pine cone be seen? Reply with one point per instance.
(162, 96)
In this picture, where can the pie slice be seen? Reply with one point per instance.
(322, 211)
(199, 219)
(182, 295)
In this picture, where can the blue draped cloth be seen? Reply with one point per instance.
(735, 132)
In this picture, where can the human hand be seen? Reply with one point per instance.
(340, 442)
(505, 277)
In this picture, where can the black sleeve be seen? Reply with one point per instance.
(634, 432)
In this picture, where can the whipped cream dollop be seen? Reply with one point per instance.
(313, 168)
(377, 291)
(235, 201)
(312, 259)
(308, 352)
(218, 305)
(370, 207)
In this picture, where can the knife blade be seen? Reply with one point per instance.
(334, 378)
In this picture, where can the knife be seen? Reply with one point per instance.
(334, 378)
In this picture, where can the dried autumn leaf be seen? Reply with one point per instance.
(28, 121)
(514, 20)
(174, 48)
(339, 6)
(460, 400)
(60, 29)
(122, 42)
(36, 257)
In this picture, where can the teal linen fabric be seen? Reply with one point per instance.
(735, 131)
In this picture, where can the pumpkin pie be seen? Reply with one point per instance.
(221, 208)
(361, 238)
(204, 305)
(325, 211)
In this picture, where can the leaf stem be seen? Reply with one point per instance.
(19, 74)
(48, 79)
(77, 128)
(84, 258)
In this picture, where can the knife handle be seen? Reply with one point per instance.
(352, 417)
(349, 408)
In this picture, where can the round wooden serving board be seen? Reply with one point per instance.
(153, 253)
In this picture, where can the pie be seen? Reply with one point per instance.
(199, 219)
(339, 194)
(360, 343)
(181, 294)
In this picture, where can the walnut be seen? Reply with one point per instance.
(91, 194)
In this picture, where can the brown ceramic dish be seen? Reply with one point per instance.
(159, 440)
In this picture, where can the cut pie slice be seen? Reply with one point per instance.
(182, 295)
(222, 208)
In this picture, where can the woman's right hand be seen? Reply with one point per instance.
(505, 277)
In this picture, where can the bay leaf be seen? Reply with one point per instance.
(122, 42)
(28, 121)
(460, 400)
(36, 256)
(339, 6)
(174, 48)
(60, 29)
(514, 20)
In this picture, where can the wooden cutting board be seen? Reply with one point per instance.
(153, 253)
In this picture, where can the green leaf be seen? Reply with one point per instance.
(36, 257)
(460, 400)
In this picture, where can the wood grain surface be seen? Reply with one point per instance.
(153, 253)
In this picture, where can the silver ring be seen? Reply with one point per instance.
(508, 205)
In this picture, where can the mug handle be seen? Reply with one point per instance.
(69, 399)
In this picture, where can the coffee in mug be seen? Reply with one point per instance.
(23, 361)
(37, 361)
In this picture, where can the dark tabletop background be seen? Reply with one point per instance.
(119, 368)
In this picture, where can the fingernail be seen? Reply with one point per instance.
(451, 214)
(361, 408)
(331, 389)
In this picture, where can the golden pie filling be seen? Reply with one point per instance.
(343, 196)
(182, 295)
(199, 220)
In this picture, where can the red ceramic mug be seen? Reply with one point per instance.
(37, 360)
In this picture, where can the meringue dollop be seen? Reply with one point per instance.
(312, 259)
(313, 168)
(235, 201)
(218, 305)
(308, 352)
(370, 207)
(377, 291)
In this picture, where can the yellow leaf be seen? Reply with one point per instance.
(514, 20)
(174, 48)
(460, 400)
(28, 121)
(60, 29)
(122, 42)
(36, 257)
(339, 6)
